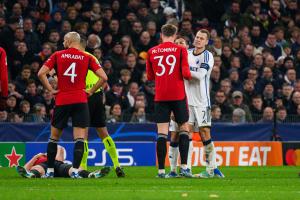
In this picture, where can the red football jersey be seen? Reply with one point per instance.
(71, 66)
(167, 64)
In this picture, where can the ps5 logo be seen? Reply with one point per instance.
(124, 158)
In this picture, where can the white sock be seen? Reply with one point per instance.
(189, 161)
(183, 166)
(75, 170)
(161, 171)
(49, 170)
(173, 157)
(210, 156)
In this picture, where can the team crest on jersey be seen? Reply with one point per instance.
(197, 62)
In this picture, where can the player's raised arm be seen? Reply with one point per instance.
(149, 69)
(185, 65)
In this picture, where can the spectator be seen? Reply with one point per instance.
(281, 115)
(287, 91)
(115, 113)
(117, 58)
(139, 115)
(238, 116)
(22, 57)
(248, 91)
(143, 45)
(294, 103)
(31, 93)
(131, 94)
(11, 104)
(92, 43)
(31, 37)
(221, 101)
(290, 77)
(127, 46)
(225, 86)
(268, 95)
(48, 101)
(271, 44)
(3, 116)
(268, 116)
(215, 78)
(237, 102)
(152, 30)
(234, 77)
(256, 107)
(216, 113)
(39, 113)
(140, 102)
(25, 111)
(156, 12)
(115, 95)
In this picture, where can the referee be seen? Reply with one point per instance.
(98, 118)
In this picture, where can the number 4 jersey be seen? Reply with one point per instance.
(71, 66)
(167, 64)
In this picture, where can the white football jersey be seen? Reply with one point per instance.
(197, 89)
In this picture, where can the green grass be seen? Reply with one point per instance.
(140, 183)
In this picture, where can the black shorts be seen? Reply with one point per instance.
(97, 110)
(61, 169)
(78, 112)
(163, 111)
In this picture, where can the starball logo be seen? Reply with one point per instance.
(292, 157)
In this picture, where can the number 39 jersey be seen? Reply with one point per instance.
(71, 66)
(167, 64)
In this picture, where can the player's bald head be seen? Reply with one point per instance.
(71, 38)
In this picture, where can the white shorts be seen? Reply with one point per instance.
(173, 127)
(199, 116)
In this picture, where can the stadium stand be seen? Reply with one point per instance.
(256, 45)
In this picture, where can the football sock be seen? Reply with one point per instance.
(183, 147)
(112, 151)
(83, 163)
(210, 155)
(161, 150)
(51, 153)
(189, 159)
(173, 156)
(78, 152)
(84, 173)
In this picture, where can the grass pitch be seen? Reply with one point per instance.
(140, 183)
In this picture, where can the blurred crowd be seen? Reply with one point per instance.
(256, 47)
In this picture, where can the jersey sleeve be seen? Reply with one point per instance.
(94, 64)
(204, 67)
(149, 69)
(51, 62)
(185, 65)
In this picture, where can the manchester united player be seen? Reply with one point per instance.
(167, 64)
(71, 66)
(36, 167)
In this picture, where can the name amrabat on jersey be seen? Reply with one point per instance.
(72, 56)
(163, 50)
